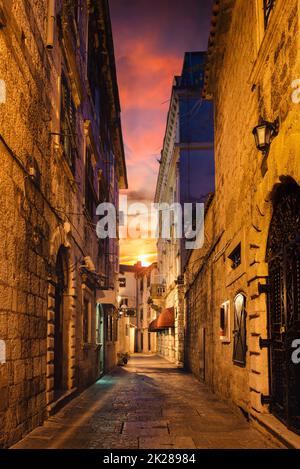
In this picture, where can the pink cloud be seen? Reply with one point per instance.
(150, 42)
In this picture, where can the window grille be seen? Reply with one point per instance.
(236, 257)
(68, 123)
(89, 185)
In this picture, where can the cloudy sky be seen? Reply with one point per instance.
(150, 39)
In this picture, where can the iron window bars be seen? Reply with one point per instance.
(68, 123)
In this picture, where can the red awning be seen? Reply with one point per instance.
(165, 320)
(153, 326)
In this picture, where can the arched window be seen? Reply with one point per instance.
(239, 345)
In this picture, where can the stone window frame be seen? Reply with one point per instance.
(240, 332)
(232, 275)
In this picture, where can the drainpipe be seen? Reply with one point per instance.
(50, 24)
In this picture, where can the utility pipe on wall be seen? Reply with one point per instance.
(50, 24)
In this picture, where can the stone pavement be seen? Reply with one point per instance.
(147, 404)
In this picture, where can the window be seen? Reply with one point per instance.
(86, 321)
(141, 314)
(225, 322)
(141, 284)
(268, 7)
(89, 185)
(148, 279)
(122, 282)
(67, 123)
(94, 60)
(124, 302)
(235, 257)
(239, 346)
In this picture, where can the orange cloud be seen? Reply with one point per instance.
(150, 42)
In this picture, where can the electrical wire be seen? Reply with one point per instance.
(55, 210)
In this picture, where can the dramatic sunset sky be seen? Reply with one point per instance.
(150, 38)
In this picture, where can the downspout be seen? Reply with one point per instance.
(50, 24)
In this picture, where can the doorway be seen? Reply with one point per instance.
(283, 257)
(60, 289)
(100, 336)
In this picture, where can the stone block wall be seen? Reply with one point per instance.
(41, 214)
(250, 75)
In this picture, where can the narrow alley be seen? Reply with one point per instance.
(147, 404)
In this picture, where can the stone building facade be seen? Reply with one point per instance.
(242, 287)
(186, 175)
(61, 154)
(127, 299)
(136, 310)
(146, 278)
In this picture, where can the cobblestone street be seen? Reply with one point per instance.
(147, 404)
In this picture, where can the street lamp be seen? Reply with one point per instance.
(264, 133)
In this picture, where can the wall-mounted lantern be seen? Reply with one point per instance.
(264, 133)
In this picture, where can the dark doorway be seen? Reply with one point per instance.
(283, 257)
(100, 336)
(60, 288)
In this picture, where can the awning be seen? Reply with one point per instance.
(107, 297)
(165, 320)
(153, 326)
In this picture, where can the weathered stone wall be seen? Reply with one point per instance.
(37, 218)
(251, 71)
